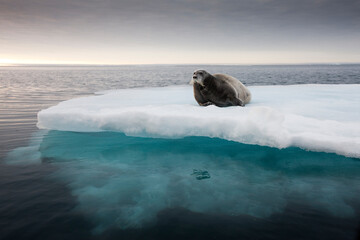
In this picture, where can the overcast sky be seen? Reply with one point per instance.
(180, 31)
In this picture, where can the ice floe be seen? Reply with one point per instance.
(313, 117)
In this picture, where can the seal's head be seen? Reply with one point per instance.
(199, 76)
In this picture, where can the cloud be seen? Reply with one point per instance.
(201, 11)
(176, 25)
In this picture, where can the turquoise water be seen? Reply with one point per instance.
(122, 182)
(107, 185)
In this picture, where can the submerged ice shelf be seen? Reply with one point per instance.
(313, 117)
(127, 182)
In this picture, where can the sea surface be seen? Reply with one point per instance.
(69, 185)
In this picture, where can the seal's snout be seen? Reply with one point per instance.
(194, 78)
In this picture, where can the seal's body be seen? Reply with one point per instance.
(219, 89)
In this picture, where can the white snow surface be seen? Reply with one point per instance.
(322, 118)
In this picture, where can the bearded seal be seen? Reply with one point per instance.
(219, 89)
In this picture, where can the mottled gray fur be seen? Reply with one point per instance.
(219, 89)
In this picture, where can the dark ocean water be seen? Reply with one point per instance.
(76, 191)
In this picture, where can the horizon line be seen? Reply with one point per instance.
(164, 64)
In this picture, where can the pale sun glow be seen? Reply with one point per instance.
(7, 62)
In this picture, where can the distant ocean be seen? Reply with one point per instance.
(106, 185)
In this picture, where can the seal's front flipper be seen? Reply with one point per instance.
(206, 104)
